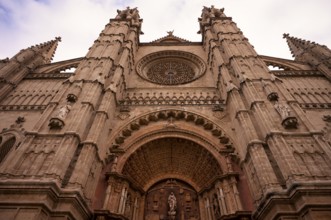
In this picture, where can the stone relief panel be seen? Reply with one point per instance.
(37, 159)
(310, 89)
(31, 95)
(253, 179)
(310, 157)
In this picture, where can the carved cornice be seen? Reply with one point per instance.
(297, 73)
(174, 100)
(22, 107)
(48, 76)
(51, 194)
(315, 189)
(315, 105)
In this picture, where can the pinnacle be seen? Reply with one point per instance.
(299, 46)
(47, 49)
(286, 35)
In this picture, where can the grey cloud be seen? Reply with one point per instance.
(79, 22)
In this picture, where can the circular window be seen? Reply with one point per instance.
(171, 67)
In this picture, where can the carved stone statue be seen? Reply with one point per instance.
(57, 122)
(63, 112)
(172, 201)
(283, 110)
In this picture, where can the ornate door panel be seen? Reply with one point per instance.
(171, 200)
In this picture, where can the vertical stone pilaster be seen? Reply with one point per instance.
(83, 166)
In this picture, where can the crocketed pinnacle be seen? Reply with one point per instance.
(47, 49)
(310, 52)
(296, 45)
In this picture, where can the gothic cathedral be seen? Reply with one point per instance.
(166, 130)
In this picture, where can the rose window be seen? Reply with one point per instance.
(170, 67)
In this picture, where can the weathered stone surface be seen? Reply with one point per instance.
(136, 125)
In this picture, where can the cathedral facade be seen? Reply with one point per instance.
(166, 130)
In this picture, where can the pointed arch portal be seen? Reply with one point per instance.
(172, 158)
(171, 165)
(157, 161)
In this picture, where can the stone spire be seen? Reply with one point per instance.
(295, 45)
(47, 49)
(319, 56)
(44, 50)
(12, 71)
(40, 53)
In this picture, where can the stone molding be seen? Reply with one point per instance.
(46, 196)
(144, 120)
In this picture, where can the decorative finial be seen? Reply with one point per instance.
(58, 39)
(170, 33)
(285, 35)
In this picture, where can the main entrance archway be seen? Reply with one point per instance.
(202, 175)
(171, 166)
(172, 158)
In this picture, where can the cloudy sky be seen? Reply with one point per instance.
(27, 22)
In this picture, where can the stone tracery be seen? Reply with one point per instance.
(171, 67)
(170, 72)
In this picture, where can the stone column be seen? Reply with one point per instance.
(107, 196)
(222, 201)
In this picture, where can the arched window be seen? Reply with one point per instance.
(6, 147)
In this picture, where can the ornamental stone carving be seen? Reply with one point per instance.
(57, 122)
(170, 72)
(288, 121)
(129, 14)
(208, 14)
(171, 67)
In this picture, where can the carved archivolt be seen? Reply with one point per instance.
(171, 67)
(174, 115)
